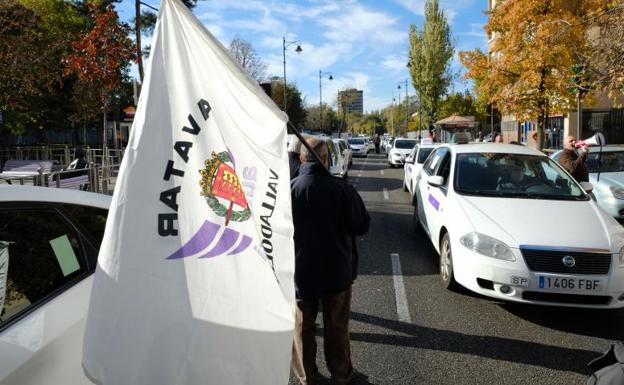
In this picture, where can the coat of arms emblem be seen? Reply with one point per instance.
(219, 181)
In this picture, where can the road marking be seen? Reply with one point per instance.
(399, 290)
(382, 172)
(385, 192)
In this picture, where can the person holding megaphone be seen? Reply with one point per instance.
(572, 162)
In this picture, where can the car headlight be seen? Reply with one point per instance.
(618, 192)
(622, 257)
(397, 154)
(487, 246)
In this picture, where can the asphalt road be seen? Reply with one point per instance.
(435, 336)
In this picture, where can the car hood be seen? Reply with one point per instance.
(542, 222)
(608, 178)
(356, 146)
(402, 151)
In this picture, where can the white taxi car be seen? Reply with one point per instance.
(510, 223)
(606, 174)
(401, 148)
(358, 146)
(413, 164)
(49, 242)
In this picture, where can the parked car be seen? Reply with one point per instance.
(370, 146)
(358, 146)
(401, 148)
(337, 166)
(508, 222)
(54, 236)
(609, 190)
(346, 152)
(413, 164)
(388, 145)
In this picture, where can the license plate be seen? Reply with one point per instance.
(570, 284)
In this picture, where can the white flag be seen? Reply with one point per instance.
(194, 283)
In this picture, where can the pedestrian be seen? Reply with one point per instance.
(572, 162)
(377, 142)
(499, 139)
(328, 214)
(294, 151)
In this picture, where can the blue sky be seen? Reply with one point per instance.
(362, 43)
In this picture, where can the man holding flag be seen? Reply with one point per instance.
(194, 283)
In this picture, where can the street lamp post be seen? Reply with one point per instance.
(330, 77)
(286, 44)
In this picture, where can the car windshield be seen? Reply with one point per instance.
(404, 144)
(423, 154)
(514, 176)
(356, 141)
(609, 162)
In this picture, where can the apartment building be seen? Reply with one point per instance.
(352, 100)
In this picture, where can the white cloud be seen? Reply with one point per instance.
(359, 24)
(417, 7)
(394, 63)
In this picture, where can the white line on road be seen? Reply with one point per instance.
(385, 192)
(382, 172)
(399, 290)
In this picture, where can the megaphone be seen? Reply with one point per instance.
(596, 140)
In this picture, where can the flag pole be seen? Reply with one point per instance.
(307, 145)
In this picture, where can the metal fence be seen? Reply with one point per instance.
(100, 176)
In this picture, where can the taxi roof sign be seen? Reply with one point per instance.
(426, 141)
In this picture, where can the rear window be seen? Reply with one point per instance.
(404, 144)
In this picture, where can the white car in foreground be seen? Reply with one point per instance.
(400, 149)
(510, 223)
(53, 238)
(413, 164)
(609, 187)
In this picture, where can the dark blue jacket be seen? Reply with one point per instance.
(294, 163)
(327, 214)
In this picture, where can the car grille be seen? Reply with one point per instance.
(566, 298)
(551, 261)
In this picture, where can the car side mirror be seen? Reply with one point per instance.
(587, 187)
(435, 181)
(409, 160)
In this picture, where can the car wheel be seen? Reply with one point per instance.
(405, 186)
(446, 263)
(346, 175)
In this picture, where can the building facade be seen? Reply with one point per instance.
(351, 100)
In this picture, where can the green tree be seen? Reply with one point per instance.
(295, 104)
(458, 103)
(30, 62)
(331, 122)
(430, 53)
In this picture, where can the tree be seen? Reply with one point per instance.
(529, 72)
(246, 56)
(430, 53)
(330, 119)
(296, 111)
(458, 103)
(26, 69)
(602, 63)
(101, 58)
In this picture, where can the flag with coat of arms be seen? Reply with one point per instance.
(194, 283)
